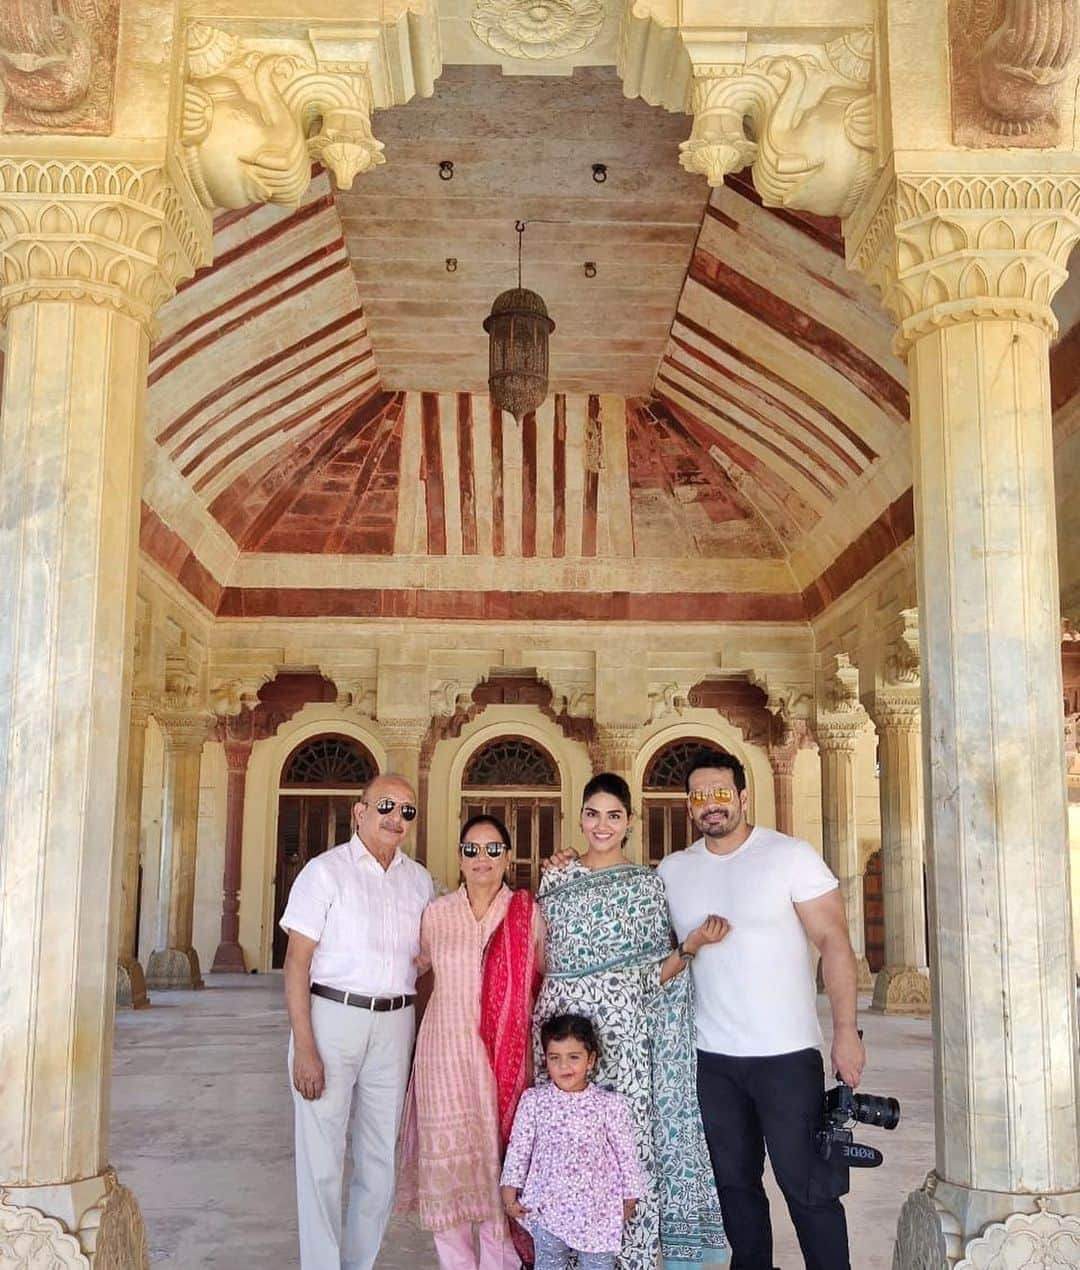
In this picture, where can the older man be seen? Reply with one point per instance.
(353, 919)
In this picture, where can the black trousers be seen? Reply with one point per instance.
(749, 1105)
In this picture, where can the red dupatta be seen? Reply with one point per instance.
(507, 992)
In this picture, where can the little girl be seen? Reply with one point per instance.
(572, 1175)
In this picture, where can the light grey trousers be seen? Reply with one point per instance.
(553, 1254)
(365, 1057)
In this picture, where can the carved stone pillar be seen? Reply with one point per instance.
(902, 985)
(130, 980)
(90, 249)
(237, 736)
(617, 748)
(782, 756)
(403, 739)
(968, 265)
(174, 963)
(837, 738)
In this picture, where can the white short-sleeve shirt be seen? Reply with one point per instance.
(365, 919)
(754, 991)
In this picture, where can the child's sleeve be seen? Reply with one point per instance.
(520, 1147)
(620, 1132)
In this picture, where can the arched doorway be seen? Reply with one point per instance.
(517, 780)
(320, 781)
(665, 823)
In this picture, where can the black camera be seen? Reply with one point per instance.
(843, 1107)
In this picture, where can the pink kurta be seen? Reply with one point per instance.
(450, 1160)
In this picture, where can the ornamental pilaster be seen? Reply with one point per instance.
(617, 747)
(130, 979)
(403, 738)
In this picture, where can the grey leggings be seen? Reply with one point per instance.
(553, 1254)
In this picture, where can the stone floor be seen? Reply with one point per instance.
(201, 1129)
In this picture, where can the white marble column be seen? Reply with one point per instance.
(174, 963)
(130, 979)
(90, 251)
(902, 986)
(836, 740)
(968, 265)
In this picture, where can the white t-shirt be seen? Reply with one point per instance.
(754, 991)
(365, 918)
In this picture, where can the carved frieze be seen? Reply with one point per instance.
(804, 123)
(537, 29)
(32, 1241)
(58, 65)
(1025, 1242)
(1010, 61)
(955, 248)
(121, 234)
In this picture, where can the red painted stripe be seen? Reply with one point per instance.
(305, 415)
(558, 523)
(498, 541)
(876, 543)
(265, 236)
(433, 474)
(768, 401)
(766, 372)
(304, 388)
(466, 477)
(250, 373)
(286, 481)
(385, 427)
(513, 606)
(676, 363)
(528, 485)
(784, 457)
(827, 345)
(238, 298)
(243, 318)
(172, 554)
(826, 231)
(591, 492)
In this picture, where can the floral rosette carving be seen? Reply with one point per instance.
(537, 29)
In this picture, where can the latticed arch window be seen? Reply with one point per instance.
(328, 762)
(668, 766)
(511, 762)
(666, 823)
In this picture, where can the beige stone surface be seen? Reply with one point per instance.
(202, 1129)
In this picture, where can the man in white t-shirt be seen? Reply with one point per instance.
(760, 1073)
(353, 919)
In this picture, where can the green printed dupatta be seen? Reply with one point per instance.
(607, 934)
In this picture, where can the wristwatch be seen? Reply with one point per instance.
(684, 953)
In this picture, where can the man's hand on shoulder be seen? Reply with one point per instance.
(559, 860)
(307, 1074)
(848, 1054)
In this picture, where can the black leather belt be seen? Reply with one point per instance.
(379, 1004)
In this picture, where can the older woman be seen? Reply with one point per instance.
(484, 944)
(609, 957)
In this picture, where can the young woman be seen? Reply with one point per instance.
(609, 957)
(484, 944)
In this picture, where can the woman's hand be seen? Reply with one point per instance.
(307, 1074)
(512, 1205)
(629, 1208)
(711, 931)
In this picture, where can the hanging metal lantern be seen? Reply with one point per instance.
(518, 328)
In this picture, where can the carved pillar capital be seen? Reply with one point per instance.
(839, 734)
(116, 233)
(617, 745)
(804, 122)
(184, 730)
(403, 733)
(948, 248)
(258, 111)
(896, 710)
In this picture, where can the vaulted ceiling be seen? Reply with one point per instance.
(726, 413)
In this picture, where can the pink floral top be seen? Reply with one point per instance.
(573, 1158)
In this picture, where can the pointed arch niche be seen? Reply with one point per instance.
(479, 746)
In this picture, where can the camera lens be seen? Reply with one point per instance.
(884, 1113)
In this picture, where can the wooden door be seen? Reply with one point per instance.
(307, 825)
